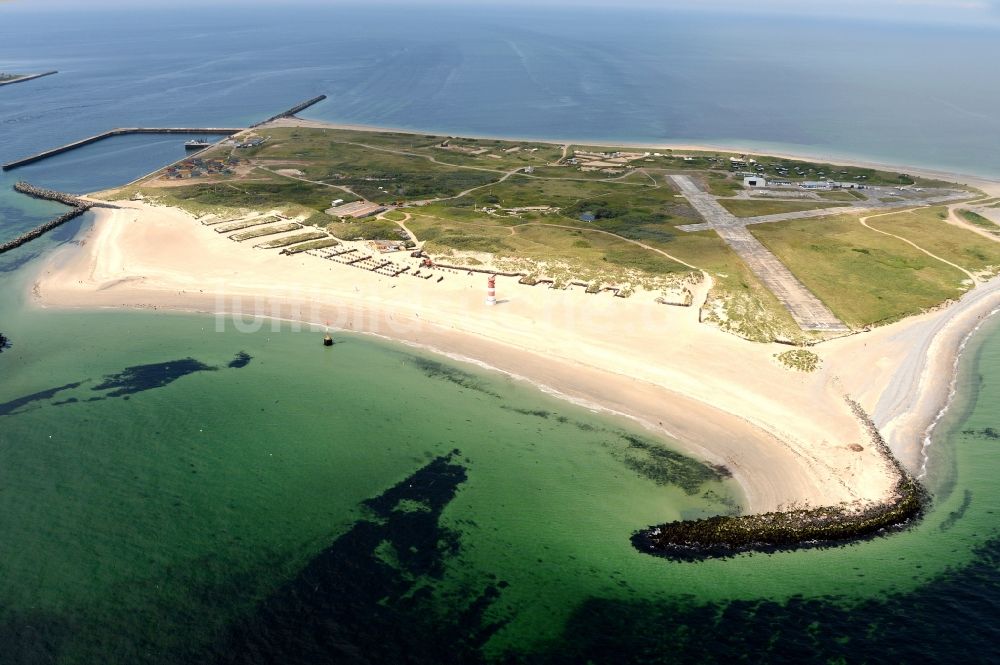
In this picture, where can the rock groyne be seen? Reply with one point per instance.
(292, 111)
(59, 197)
(727, 535)
(41, 230)
(29, 77)
(77, 206)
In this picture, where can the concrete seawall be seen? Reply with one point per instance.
(121, 131)
(30, 77)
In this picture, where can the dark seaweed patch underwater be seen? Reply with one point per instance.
(124, 384)
(368, 597)
(354, 604)
(140, 378)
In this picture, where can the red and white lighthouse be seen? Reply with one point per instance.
(491, 290)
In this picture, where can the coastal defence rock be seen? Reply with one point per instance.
(724, 536)
(26, 78)
(78, 205)
(58, 197)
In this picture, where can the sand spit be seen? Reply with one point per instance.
(786, 436)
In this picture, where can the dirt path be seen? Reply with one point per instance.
(314, 182)
(402, 224)
(956, 220)
(864, 223)
(615, 235)
(429, 158)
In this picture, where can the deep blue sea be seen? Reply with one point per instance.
(169, 494)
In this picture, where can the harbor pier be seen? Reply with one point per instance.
(121, 131)
(29, 77)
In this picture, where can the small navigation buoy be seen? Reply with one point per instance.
(327, 340)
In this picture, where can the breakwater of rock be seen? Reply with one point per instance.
(41, 230)
(30, 77)
(77, 206)
(292, 111)
(727, 535)
(58, 197)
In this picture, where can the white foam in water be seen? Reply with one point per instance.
(952, 389)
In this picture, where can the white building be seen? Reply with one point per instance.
(754, 181)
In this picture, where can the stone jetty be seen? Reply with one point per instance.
(298, 108)
(28, 77)
(77, 206)
(826, 526)
(122, 131)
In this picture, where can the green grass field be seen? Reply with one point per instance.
(930, 231)
(559, 221)
(756, 207)
(369, 228)
(864, 277)
(722, 184)
(253, 195)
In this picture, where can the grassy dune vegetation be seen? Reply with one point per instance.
(863, 276)
(977, 219)
(378, 167)
(370, 228)
(260, 232)
(292, 240)
(472, 201)
(257, 195)
(315, 244)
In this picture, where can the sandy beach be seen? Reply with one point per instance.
(786, 436)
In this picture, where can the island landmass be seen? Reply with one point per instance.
(791, 321)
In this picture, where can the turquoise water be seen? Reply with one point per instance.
(248, 472)
(918, 94)
(148, 515)
(374, 501)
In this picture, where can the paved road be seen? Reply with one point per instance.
(868, 207)
(805, 308)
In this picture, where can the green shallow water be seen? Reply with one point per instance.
(144, 515)
(246, 473)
